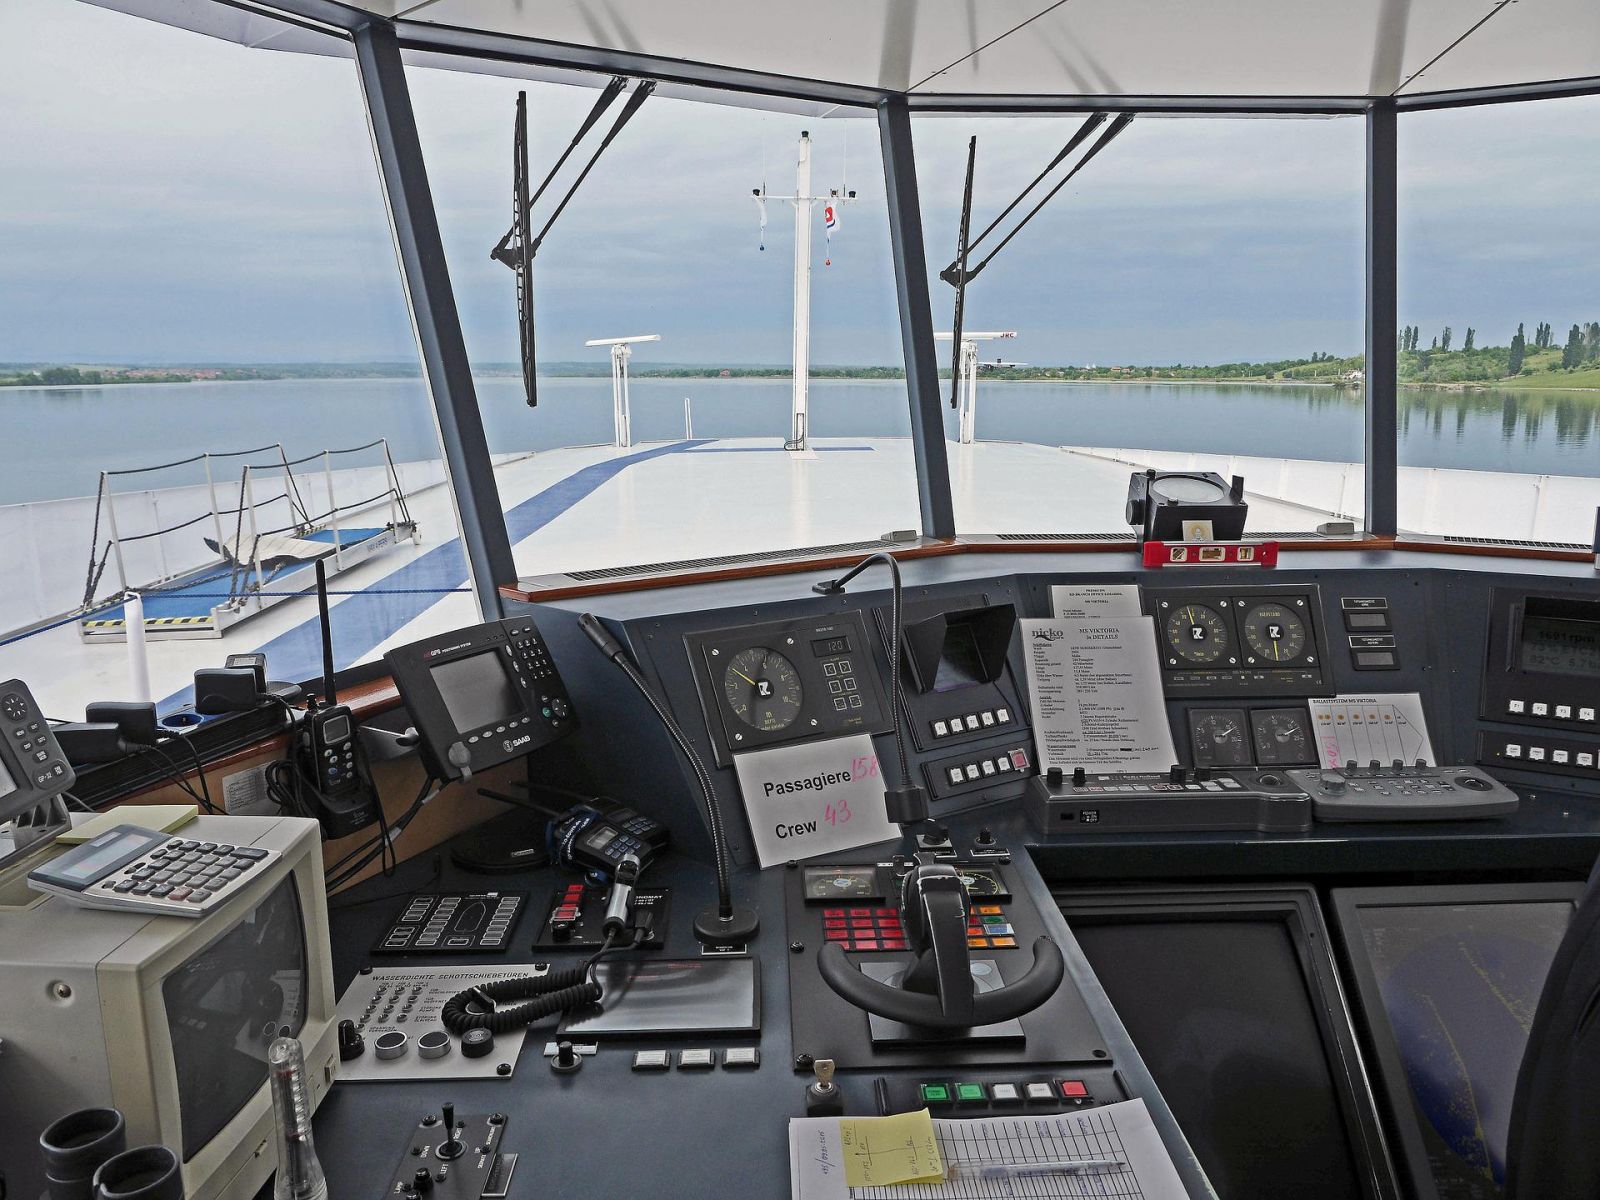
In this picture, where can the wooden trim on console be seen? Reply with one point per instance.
(560, 587)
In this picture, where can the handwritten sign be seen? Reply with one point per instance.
(813, 798)
(882, 1151)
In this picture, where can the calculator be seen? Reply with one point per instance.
(130, 869)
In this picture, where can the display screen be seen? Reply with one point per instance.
(1459, 985)
(1236, 1049)
(336, 730)
(476, 690)
(226, 1004)
(960, 663)
(94, 863)
(826, 646)
(1556, 645)
(7, 783)
(674, 996)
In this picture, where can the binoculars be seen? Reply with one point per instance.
(86, 1158)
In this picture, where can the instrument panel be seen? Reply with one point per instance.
(787, 681)
(1235, 641)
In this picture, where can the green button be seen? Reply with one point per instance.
(968, 1092)
(994, 919)
(935, 1093)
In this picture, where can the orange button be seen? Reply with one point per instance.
(1003, 943)
(989, 910)
(978, 943)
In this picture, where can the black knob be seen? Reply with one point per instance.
(985, 836)
(477, 1043)
(1201, 774)
(567, 1059)
(1053, 776)
(422, 1182)
(351, 1043)
(1079, 777)
(1175, 775)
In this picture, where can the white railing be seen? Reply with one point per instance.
(1432, 500)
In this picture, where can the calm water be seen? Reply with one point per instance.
(56, 441)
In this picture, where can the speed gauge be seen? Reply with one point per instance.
(1197, 635)
(1274, 633)
(763, 689)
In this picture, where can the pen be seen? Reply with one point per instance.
(1084, 1166)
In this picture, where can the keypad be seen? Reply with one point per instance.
(988, 718)
(185, 875)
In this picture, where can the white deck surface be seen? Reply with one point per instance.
(598, 506)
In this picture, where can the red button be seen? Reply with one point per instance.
(836, 935)
(1073, 1088)
(894, 943)
(870, 944)
(859, 911)
(888, 912)
(1019, 759)
(833, 912)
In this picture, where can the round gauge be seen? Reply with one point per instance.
(1218, 738)
(1282, 737)
(1274, 633)
(763, 689)
(1197, 633)
(979, 883)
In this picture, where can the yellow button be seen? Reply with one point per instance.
(978, 943)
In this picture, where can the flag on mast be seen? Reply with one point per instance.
(830, 222)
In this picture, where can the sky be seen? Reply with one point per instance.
(166, 197)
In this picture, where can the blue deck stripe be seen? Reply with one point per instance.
(362, 622)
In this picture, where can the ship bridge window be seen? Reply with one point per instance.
(676, 261)
(208, 378)
(1190, 300)
(1499, 364)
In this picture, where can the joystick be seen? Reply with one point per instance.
(351, 1043)
(452, 1147)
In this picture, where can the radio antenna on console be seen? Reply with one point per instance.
(329, 698)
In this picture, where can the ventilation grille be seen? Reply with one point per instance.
(1065, 537)
(1517, 542)
(728, 560)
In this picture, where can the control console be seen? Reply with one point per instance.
(1405, 793)
(1179, 800)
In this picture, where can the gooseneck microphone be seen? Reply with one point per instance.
(725, 924)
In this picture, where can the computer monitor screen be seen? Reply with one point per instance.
(226, 1004)
(1224, 1012)
(476, 690)
(1450, 979)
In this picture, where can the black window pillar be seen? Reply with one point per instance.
(916, 318)
(433, 313)
(1382, 313)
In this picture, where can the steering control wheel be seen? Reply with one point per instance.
(937, 991)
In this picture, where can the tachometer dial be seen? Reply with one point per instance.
(1274, 633)
(1282, 737)
(1197, 634)
(763, 689)
(1217, 737)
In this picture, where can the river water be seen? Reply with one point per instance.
(56, 441)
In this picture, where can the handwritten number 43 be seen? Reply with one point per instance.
(837, 814)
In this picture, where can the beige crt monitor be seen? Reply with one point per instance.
(167, 1018)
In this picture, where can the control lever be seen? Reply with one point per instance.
(452, 1147)
(937, 990)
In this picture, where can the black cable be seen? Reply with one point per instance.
(560, 989)
(172, 773)
(397, 893)
(385, 841)
(200, 771)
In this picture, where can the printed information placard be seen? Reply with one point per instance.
(813, 798)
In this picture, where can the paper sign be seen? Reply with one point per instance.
(879, 1151)
(1095, 687)
(1094, 602)
(813, 798)
(1360, 729)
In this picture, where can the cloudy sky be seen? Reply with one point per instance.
(166, 197)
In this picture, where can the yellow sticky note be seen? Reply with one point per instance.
(879, 1151)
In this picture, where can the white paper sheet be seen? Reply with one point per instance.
(1124, 1131)
(1362, 728)
(1094, 601)
(1095, 688)
(813, 798)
